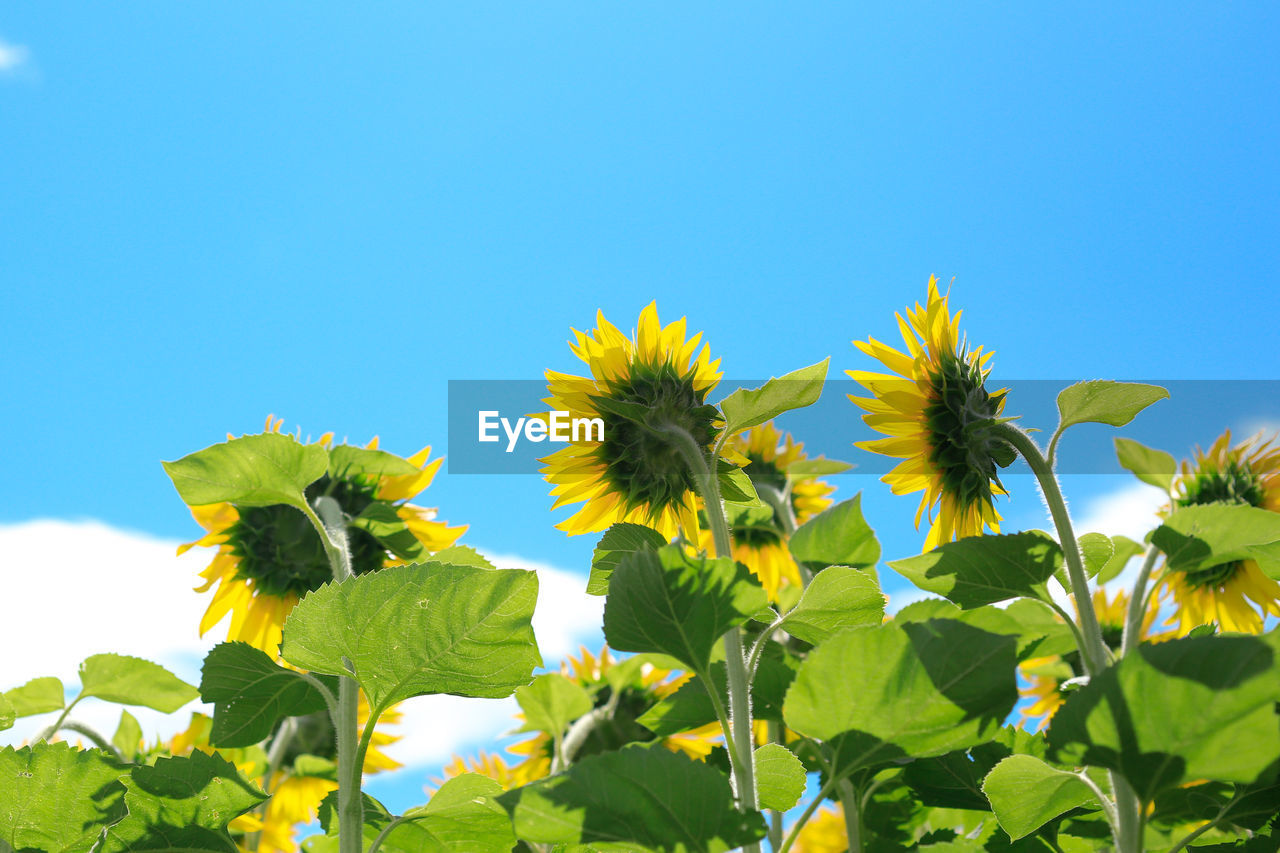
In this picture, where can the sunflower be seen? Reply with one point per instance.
(269, 557)
(760, 544)
(639, 385)
(937, 414)
(1045, 675)
(825, 832)
(1248, 474)
(640, 685)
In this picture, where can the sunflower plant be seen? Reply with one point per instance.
(1060, 690)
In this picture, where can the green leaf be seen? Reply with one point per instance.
(250, 693)
(736, 486)
(817, 467)
(420, 629)
(461, 555)
(128, 736)
(346, 460)
(1037, 620)
(1125, 549)
(1171, 712)
(618, 541)
(57, 799)
(1101, 401)
(744, 409)
(1199, 537)
(253, 470)
(780, 777)
(690, 706)
(982, 570)
(128, 680)
(954, 780)
(634, 799)
(892, 691)
(551, 703)
(670, 602)
(838, 597)
(1026, 793)
(7, 714)
(462, 817)
(381, 521)
(840, 536)
(1151, 466)
(1097, 549)
(994, 620)
(37, 696)
(182, 803)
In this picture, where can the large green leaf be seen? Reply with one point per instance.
(635, 799)
(837, 598)
(37, 696)
(133, 681)
(780, 777)
(1172, 712)
(1124, 549)
(618, 541)
(182, 803)
(250, 693)
(552, 702)
(253, 470)
(57, 799)
(1026, 793)
(994, 620)
(982, 570)
(1151, 466)
(1102, 401)
(744, 408)
(347, 460)
(671, 602)
(462, 817)
(1198, 537)
(839, 536)
(892, 691)
(954, 780)
(419, 629)
(691, 706)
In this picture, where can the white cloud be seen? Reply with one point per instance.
(76, 588)
(1127, 511)
(12, 55)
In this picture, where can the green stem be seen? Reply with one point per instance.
(328, 520)
(51, 730)
(1138, 602)
(738, 733)
(851, 804)
(808, 813)
(776, 735)
(92, 734)
(1093, 652)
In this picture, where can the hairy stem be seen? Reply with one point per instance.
(1138, 602)
(851, 805)
(738, 733)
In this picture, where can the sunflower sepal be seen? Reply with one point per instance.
(745, 408)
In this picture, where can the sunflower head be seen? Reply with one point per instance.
(759, 541)
(1235, 595)
(938, 416)
(641, 387)
(269, 557)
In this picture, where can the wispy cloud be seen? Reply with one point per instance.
(76, 588)
(12, 56)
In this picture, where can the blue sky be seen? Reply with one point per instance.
(215, 211)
